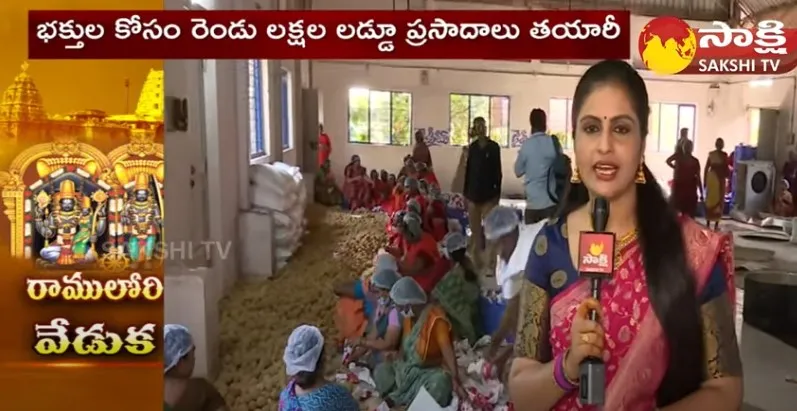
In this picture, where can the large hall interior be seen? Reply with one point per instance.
(243, 174)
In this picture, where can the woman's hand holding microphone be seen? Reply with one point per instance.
(586, 338)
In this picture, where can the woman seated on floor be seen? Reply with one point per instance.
(425, 173)
(356, 189)
(412, 191)
(181, 392)
(783, 204)
(436, 215)
(326, 189)
(458, 292)
(395, 238)
(304, 364)
(421, 259)
(358, 301)
(426, 358)
(384, 332)
(397, 199)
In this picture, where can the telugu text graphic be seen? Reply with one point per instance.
(59, 337)
(379, 34)
(297, 33)
(769, 48)
(75, 288)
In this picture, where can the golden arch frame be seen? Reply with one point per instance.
(136, 156)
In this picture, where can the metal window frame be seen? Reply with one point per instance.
(261, 149)
(693, 128)
(392, 141)
(489, 120)
(568, 120)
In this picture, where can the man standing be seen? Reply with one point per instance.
(684, 137)
(534, 163)
(482, 186)
(324, 146)
(420, 152)
(513, 241)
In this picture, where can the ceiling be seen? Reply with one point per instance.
(734, 11)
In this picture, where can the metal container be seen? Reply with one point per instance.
(770, 303)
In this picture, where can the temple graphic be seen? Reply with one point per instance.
(86, 186)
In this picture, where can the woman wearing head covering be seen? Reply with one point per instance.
(395, 238)
(426, 358)
(384, 329)
(436, 215)
(426, 173)
(665, 322)
(304, 364)
(181, 392)
(357, 301)
(412, 191)
(355, 186)
(458, 292)
(422, 259)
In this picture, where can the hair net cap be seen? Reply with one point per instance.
(406, 291)
(410, 182)
(500, 222)
(176, 345)
(414, 206)
(455, 241)
(385, 262)
(384, 279)
(303, 350)
(413, 223)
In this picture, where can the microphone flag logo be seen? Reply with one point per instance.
(596, 251)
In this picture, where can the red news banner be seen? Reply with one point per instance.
(499, 35)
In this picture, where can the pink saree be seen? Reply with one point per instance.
(636, 353)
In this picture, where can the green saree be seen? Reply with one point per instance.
(459, 298)
(400, 381)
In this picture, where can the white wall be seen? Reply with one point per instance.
(528, 85)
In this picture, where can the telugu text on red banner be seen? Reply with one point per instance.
(329, 34)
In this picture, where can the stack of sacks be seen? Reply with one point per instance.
(278, 189)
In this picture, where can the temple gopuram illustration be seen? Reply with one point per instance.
(84, 187)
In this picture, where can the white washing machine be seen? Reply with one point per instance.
(755, 186)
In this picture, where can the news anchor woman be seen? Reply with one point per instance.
(665, 326)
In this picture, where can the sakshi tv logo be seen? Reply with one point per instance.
(668, 45)
(596, 256)
(596, 251)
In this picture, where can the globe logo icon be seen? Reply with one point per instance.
(667, 45)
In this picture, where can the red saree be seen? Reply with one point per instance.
(355, 188)
(432, 274)
(637, 354)
(685, 184)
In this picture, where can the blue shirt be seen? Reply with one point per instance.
(359, 293)
(330, 397)
(534, 161)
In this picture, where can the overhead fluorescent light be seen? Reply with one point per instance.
(767, 82)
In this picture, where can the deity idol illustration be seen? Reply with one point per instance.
(69, 224)
(142, 220)
(82, 187)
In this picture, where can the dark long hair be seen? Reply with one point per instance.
(308, 379)
(671, 284)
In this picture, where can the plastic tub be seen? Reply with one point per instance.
(491, 312)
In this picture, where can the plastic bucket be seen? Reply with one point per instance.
(491, 313)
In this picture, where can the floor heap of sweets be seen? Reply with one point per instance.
(256, 318)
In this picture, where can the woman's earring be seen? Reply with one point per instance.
(640, 174)
(575, 177)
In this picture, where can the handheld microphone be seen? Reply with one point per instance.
(596, 262)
